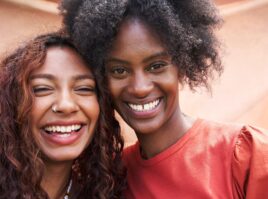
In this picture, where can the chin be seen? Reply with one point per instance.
(62, 156)
(145, 125)
(145, 128)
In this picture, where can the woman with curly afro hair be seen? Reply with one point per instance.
(146, 49)
(55, 140)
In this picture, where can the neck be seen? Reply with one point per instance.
(156, 142)
(56, 179)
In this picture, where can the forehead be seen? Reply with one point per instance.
(61, 60)
(134, 33)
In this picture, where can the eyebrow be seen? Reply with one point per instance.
(42, 76)
(82, 77)
(51, 77)
(156, 55)
(114, 59)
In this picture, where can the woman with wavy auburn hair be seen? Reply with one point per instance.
(55, 140)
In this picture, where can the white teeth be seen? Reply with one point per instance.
(64, 135)
(68, 129)
(63, 129)
(145, 107)
(58, 129)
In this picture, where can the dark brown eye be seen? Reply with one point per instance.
(157, 67)
(118, 72)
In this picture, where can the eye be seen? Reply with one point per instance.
(157, 67)
(118, 72)
(85, 90)
(42, 90)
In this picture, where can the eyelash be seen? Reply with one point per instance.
(85, 89)
(121, 72)
(41, 89)
(118, 72)
(157, 67)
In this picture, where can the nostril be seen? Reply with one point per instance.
(141, 90)
(67, 107)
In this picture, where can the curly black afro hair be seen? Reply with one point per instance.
(186, 28)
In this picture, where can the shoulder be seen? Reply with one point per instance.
(232, 139)
(214, 131)
(209, 125)
(251, 141)
(250, 162)
(251, 146)
(245, 139)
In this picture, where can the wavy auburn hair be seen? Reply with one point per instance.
(99, 174)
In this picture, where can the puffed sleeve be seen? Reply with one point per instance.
(250, 164)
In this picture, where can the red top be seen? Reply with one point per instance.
(211, 161)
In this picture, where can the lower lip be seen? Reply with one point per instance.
(146, 114)
(59, 140)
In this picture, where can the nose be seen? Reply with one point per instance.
(66, 103)
(140, 84)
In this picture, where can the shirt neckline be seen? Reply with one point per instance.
(170, 150)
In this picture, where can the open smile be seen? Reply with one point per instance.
(62, 129)
(63, 134)
(144, 107)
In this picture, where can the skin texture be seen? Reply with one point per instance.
(74, 96)
(140, 71)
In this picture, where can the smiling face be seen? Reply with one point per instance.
(142, 79)
(65, 83)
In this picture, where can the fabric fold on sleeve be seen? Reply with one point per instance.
(250, 164)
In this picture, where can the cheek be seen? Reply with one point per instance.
(40, 106)
(168, 82)
(171, 81)
(172, 84)
(172, 89)
(91, 107)
(115, 87)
